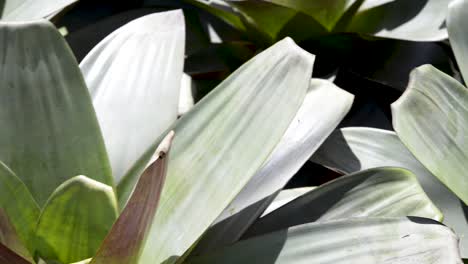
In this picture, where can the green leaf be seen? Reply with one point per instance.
(457, 20)
(210, 161)
(136, 105)
(124, 242)
(18, 209)
(431, 119)
(50, 132)
(218, 9)
(286, 196)
(10, 239)
(7, 256)
(324, 106)
(359, 148)
(326, 12)
(415, 20)
(381, 192)
(18, 10)
(75, 220)
(364, 241)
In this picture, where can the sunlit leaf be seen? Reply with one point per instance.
(75, 220)
(18, 10)
(457, 21)
(431, 119)
(50, 132)
(286, 196)
(210, 161)
(135, 105)
(323, 108)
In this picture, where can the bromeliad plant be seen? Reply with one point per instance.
(229, 157)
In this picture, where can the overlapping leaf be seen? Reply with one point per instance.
(19, 10)
(323, 108)
(136, 104)
(381, 192)
(359, 148)
(50, 132)
(366, 241)
(75, 220)
(457, 21)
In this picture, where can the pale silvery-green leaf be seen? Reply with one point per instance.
(324, 106)
(20, 10)
(415, 20)
(75, 220)
(49, 129)
(380, 192)
(359, 148)
(18, 209)
(134, 77)
(359, 240)
(431, 119)
(186, 99)
(286, 196)
(222, 142)
(457, 23)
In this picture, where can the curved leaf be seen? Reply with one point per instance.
(457, 20)
(135, 105)
(359, 148)
(124, 242)
(431, 118)
(210, 161)
(19, 209)
(50, 132)
(19, 10)
(75, 220)
(10, 239)
(324, 106)
(415, 20)
(366, 241)
(381, 192)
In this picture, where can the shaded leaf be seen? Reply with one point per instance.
(365, 240)
(286, 196)
(359, 148)
(10, 257)
(457, 20)
(50, 132)
(381, 192)
(75, 220)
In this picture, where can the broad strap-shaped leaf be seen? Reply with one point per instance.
(222, 142)
(220, 9)
(124, 242)
(75, 220)
(19, 10)
(324, 106)
(431, 119)
(286, 196)
(136, 104)
(359, 148)
(381, 192)
(415, 20)
(49, 130)
(457, 21)
(18, 208)
(361, 240)
(186, 99)
(10, 257)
